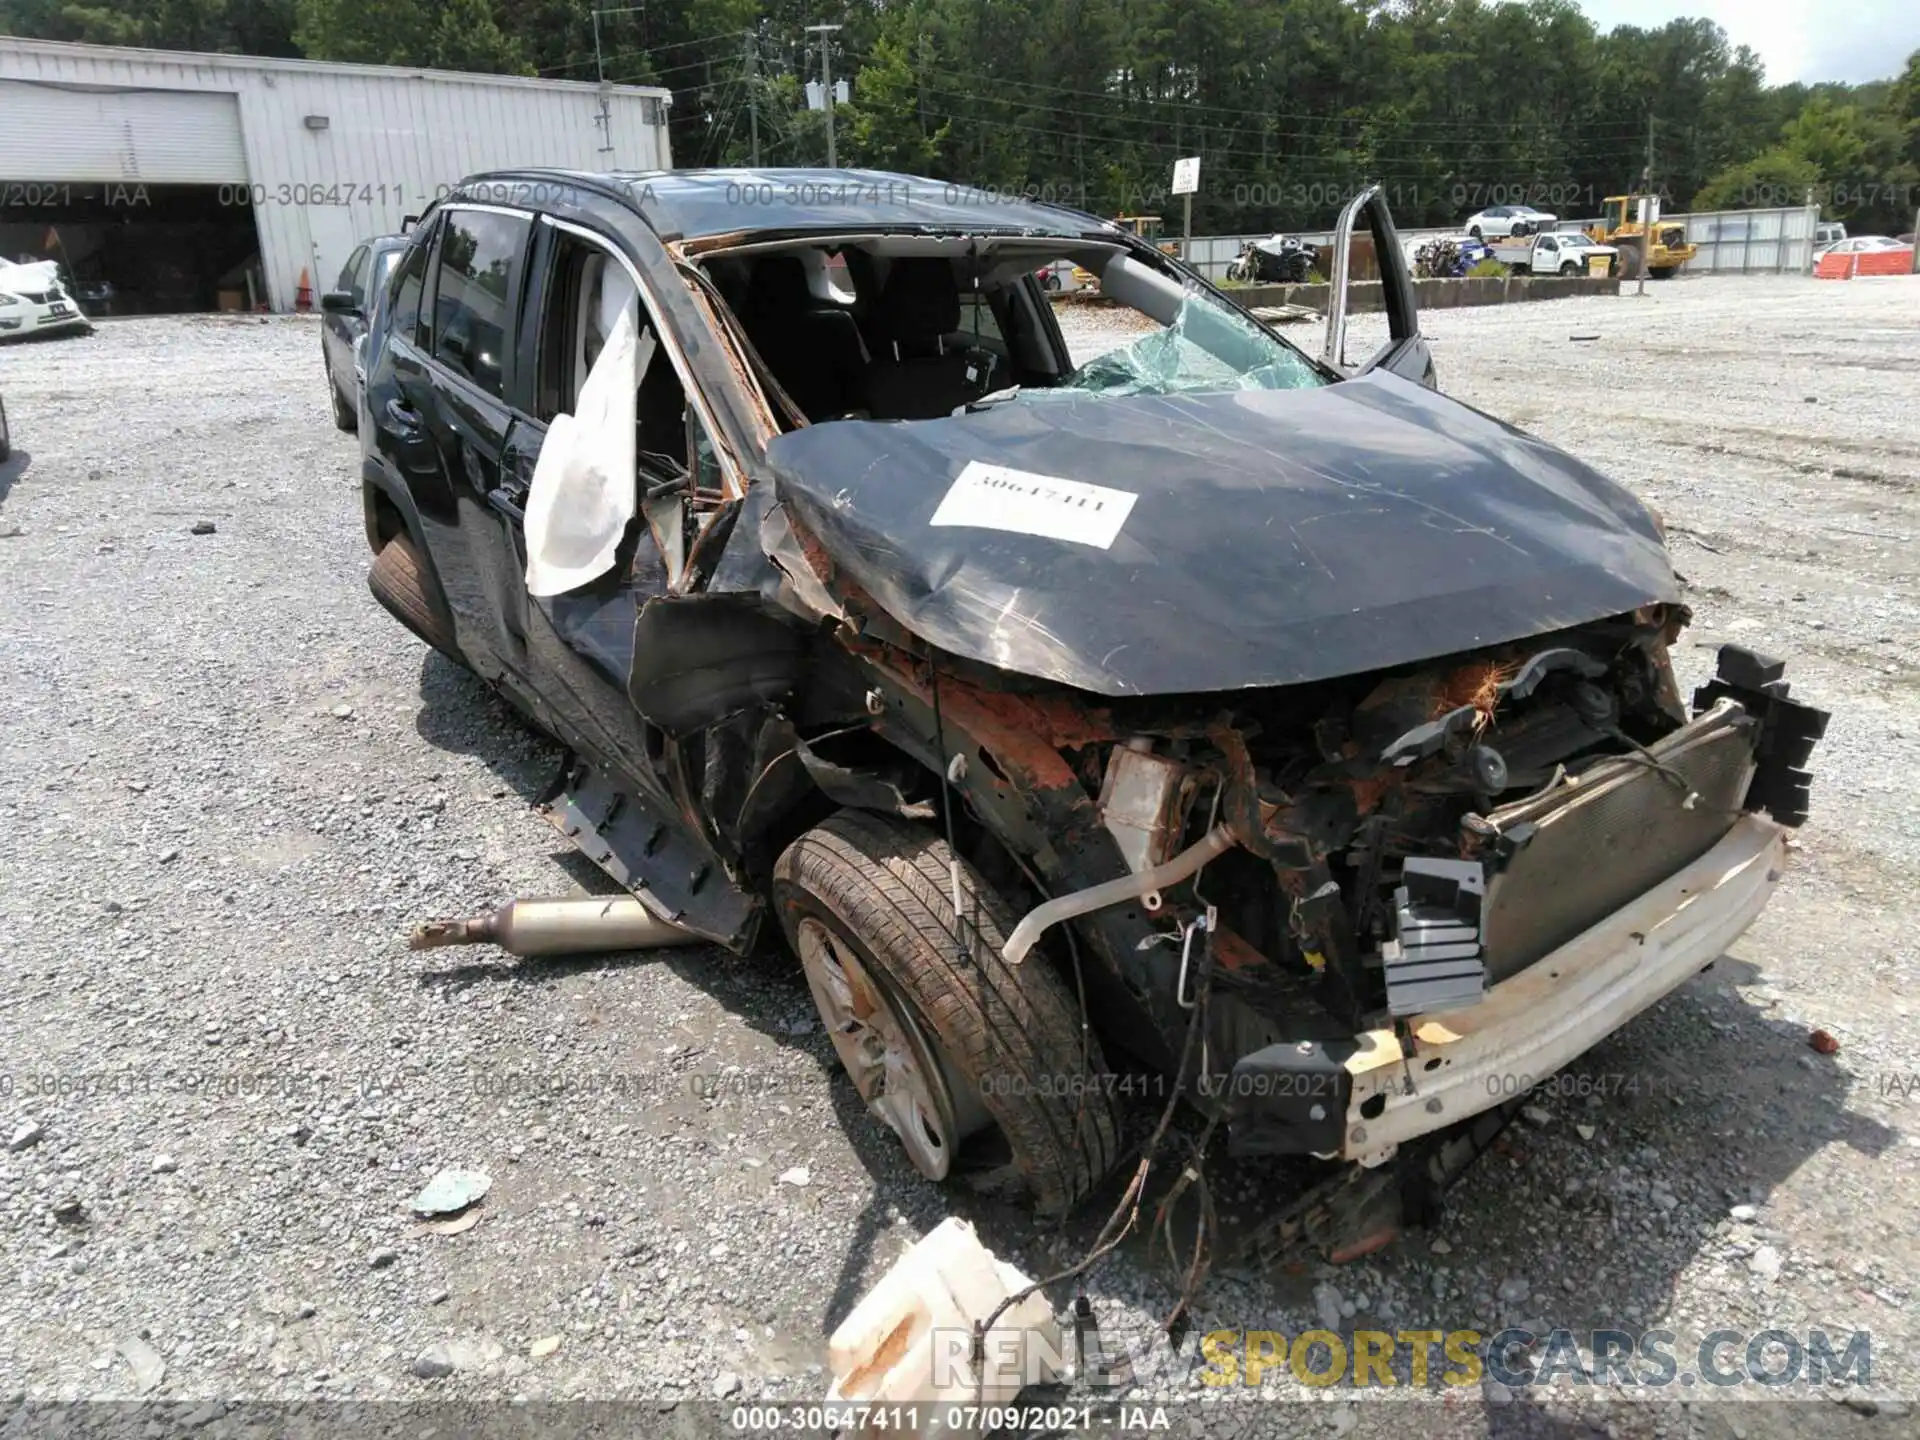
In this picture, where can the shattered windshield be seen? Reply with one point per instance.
(1206, 348)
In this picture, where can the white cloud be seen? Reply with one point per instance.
(1851, 40)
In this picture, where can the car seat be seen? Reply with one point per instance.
(922, 368)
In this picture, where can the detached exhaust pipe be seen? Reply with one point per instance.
(567, 926)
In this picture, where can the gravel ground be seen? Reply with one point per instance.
(231, 783)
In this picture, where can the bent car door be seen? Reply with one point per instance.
(1405, 352)
(453, 417)
(602, 528)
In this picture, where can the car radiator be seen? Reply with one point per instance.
(1568, 857)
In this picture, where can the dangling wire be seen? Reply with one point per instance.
(963, 951)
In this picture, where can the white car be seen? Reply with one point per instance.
(33, 301)
(1497, 221)
(1865, 245)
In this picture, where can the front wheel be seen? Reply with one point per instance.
(345, 417)
(1570, 268)
(1475, 233)
(944, 1040)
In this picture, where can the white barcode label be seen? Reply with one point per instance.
(995, 497)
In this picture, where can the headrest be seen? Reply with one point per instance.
(779, 286)
(920, 301)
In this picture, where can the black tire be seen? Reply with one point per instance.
(1662, 272)
(400, 581)
(1572, 267)
(1475, 233)
(882, 885)
(345, 417)
(6, 436)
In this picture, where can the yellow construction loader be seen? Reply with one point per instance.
(1632, 223)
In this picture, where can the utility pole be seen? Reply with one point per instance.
(753, 96)
(1646, 205)
(826, 83)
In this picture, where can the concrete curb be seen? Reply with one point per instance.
(1365, 295)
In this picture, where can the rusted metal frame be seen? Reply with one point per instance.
(1028, 797)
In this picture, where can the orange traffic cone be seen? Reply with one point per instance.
(303, 297)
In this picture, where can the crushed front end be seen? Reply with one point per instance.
(1444, 882)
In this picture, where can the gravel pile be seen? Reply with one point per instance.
(231, 783)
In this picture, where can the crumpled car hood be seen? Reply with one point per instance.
(1263, 537)
(33, 278)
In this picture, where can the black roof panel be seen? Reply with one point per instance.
(695, 203)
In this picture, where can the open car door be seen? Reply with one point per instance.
(1406, 353)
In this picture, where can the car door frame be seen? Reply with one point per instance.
(487, 612)
(1406, 352)
(601, 719)
(336, 325)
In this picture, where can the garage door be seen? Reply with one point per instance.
(155, 137)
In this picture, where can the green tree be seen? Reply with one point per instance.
(1777, 177)
(884, 126)
(447, 34)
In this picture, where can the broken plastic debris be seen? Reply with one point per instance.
(910, 1339)
(452, 1191)
(149, 1369)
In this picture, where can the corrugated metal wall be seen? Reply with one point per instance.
(392, 140)
(1746, 242)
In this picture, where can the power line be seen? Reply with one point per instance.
(588, 63)
(1334, 123)
(996, 80)
(1212, 151)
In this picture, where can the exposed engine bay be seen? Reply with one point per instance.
(1382, 846)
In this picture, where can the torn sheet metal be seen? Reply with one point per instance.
(1278, 536)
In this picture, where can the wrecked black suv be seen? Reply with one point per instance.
(1208, 709)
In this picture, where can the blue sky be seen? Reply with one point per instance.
(1808, 40)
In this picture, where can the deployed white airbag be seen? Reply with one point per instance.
(582, 496)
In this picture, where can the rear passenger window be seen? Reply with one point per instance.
(407, 287)
(474, 293)
(353, 277)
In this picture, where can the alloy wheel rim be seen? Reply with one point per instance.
(891, 1061)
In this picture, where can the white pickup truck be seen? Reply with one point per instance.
(1557, 252)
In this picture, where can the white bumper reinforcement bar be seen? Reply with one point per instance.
(1534, 1024)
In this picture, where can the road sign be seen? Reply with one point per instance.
(1186, 175)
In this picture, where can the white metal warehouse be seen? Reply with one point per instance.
(170, 180)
